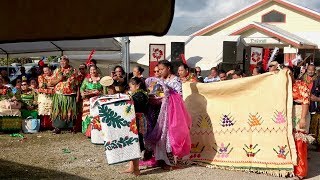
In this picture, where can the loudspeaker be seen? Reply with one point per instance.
(229, 51)
(177, 48)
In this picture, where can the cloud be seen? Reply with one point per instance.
(190, 13)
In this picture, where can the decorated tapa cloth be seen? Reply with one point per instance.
(118, 123)
(44, 104)
(243, 124)
(10, 119)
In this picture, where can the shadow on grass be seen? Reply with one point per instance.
(12, 170)
(314, 164)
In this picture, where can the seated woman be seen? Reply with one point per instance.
(90, 87)
(8, 100)
(185, 75)
(9, 109)
(29, 101)
(34, 84)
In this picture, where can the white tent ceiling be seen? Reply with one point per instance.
(66, 47)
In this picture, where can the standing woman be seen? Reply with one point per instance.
(185, 75)
(45, 94)
(171, 135)
(301, 122)
(119, 77)
(137, 72)
(90, 87)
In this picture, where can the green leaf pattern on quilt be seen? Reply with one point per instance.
(122, 142)
(120, 103)
(111, 118)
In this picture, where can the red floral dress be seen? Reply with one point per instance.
(68, 85)
(301, 92)
(43, 81)
(301, 95)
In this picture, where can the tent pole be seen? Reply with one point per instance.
(8, 65)
(126, 55)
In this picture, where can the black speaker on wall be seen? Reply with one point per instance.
(177, 48)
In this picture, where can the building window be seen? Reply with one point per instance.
(274, 16)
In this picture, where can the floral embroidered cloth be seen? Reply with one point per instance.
(118, 123)
(243, 124)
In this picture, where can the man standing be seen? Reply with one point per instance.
(64, 109)
(82, 74)
(313, 81)
(310, 76)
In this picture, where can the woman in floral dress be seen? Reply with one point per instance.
(301, 123)
(90, 87)
(45, 94)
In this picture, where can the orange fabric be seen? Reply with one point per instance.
(301, 169)
(301, 92)
(43, 81)
(309, 79)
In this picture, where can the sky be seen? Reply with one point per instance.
(201, 13)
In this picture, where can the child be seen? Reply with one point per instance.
(140, 99)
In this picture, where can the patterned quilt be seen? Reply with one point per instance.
(118, 123)
(243, 124)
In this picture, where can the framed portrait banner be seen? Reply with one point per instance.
(157, 52)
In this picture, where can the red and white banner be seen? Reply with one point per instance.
(157, 52)
(256, 55)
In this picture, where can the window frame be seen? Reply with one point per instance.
(285, 17)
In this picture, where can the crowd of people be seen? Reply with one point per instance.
(61, 99)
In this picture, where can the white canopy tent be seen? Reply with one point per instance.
(107, 46)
